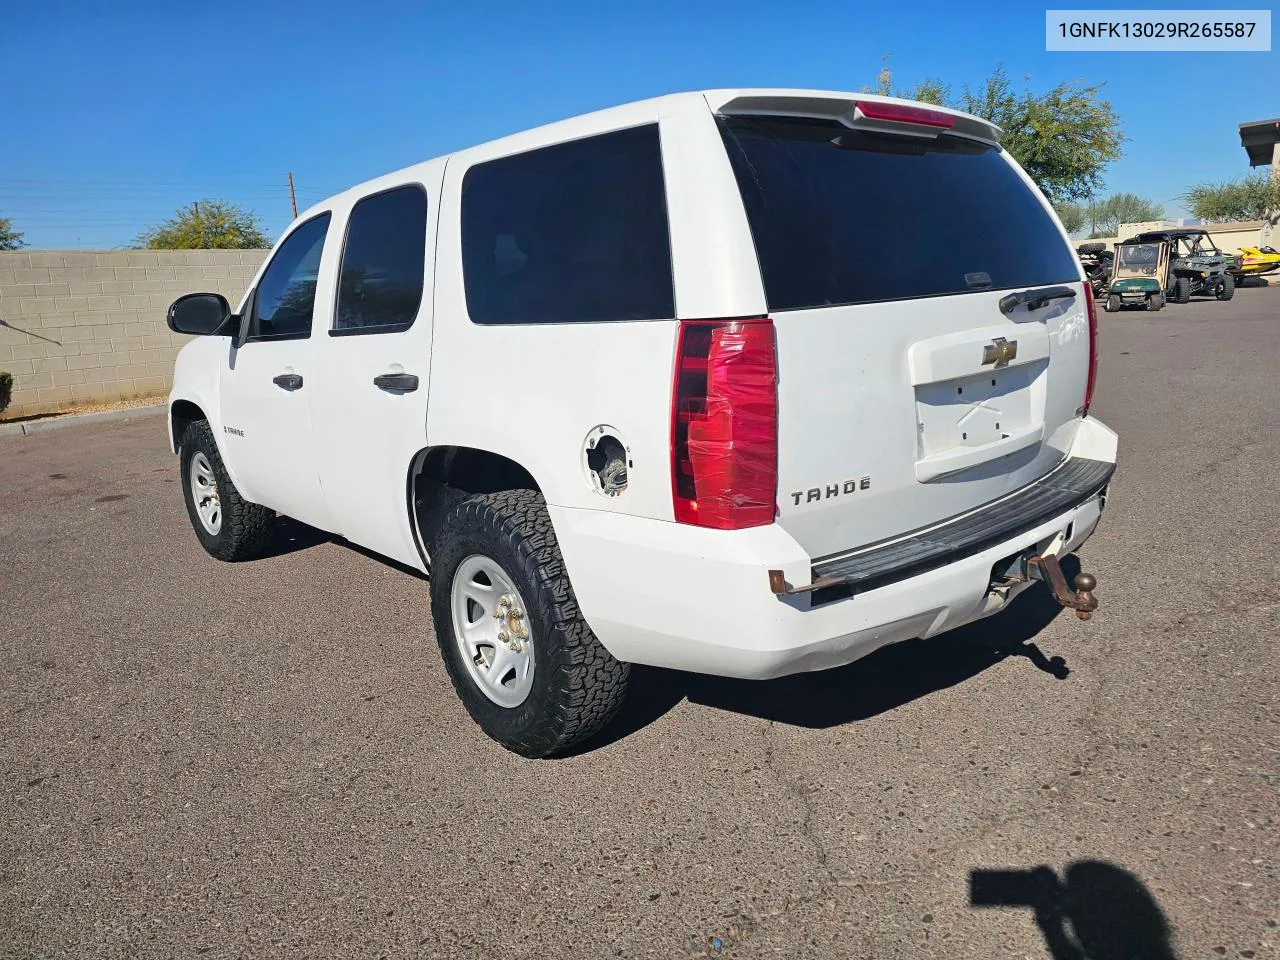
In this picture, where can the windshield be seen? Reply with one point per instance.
(1198, 245)
(1140, 258)
(842, 217)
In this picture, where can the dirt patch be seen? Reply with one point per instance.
(146, 401)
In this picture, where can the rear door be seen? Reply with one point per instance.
(912, 385)
(371, 363)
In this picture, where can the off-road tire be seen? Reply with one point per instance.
(1113, 303)
(246, 528)
(577, 685)
(1228, 288)
(1181, 290)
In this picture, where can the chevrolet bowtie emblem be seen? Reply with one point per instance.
(999, 351)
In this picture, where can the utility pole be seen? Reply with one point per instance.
(293, 200)
(195, 212)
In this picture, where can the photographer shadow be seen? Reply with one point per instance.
(883, 681)
(1095, 911)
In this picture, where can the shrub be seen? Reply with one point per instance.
(6, 389)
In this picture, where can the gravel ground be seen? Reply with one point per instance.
(266, 759)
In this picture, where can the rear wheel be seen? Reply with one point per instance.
(1228, 288)
(521, 657)
(227, 526)
(1113, 303)
(1182, 290)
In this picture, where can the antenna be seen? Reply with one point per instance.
(293, 200)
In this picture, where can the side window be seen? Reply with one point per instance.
(286, 294)
(383, 263)
(571, 233)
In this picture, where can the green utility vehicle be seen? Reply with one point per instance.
(1198, 267)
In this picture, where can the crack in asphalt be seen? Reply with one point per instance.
(1235, 453)
(801, 795)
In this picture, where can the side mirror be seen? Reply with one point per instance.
(201, 314)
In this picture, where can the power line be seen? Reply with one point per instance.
(134, 183)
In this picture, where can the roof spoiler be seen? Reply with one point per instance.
(866, 112)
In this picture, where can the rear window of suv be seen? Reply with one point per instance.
(841, 217)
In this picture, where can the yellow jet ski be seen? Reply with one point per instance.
(1255, 261)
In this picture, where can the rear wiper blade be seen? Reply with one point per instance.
(1034, 299)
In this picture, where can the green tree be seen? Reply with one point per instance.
(1071, 215)
(10, 239)
(1105, 215)
(207, 224)
(1063, 138)
(1253, 197)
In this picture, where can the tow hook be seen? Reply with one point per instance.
(1081, 600)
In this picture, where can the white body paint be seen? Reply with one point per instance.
(864, 391)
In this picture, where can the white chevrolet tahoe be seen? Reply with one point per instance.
(744, 382)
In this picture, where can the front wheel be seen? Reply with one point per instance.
(1228, 288)
(228, 526)
(1155, 302)
(1113, 303)
(519, 653)
(1181, 290)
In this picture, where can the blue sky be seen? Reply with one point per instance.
(116, 113)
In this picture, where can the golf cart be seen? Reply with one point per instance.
(1196, 263)
(1139, 276)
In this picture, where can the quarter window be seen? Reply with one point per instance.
(383, 263)
(286, 294)
(571, 233)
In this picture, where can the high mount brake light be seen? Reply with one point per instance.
(724, 424)
(901, 113)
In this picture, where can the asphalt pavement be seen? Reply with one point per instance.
(266, 759)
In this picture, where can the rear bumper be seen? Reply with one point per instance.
(1075, 481)
(1135, 288)
(683, 597)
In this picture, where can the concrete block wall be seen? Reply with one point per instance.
(88, 326)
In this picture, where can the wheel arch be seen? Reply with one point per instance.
(182, 413)
(440, 477)
(187, 409)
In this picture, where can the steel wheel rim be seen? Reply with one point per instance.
(491, 628)
(204, 493)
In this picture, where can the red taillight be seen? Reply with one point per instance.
(901, 113)
(1092, 310)
(724, 424)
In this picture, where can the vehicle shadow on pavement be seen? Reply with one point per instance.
(292, 535)
(885, 680)
(1095, 911)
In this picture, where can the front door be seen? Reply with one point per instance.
(371, 365)
(267, 379)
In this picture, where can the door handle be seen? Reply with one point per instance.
(396, 382)
(287, 381)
